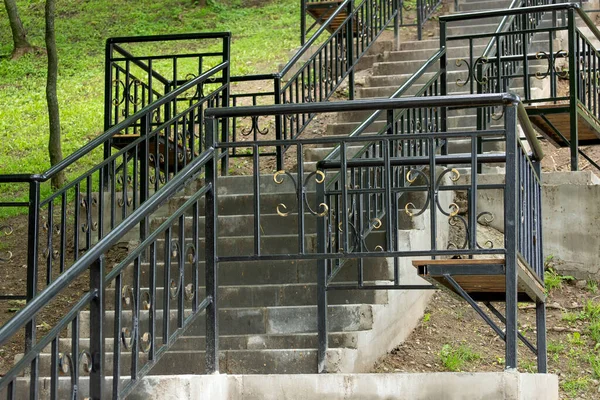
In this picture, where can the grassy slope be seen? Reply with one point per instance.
(261, 34)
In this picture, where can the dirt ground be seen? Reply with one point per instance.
(450, 323)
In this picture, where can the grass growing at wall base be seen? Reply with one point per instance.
(263, 32)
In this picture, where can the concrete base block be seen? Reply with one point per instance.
(428, 386)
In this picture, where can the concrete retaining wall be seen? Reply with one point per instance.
(571, 215)
(431, 386)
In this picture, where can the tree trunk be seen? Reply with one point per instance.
(54, 146)
(20, 43)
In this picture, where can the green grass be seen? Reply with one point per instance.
(576, 385)
(454, 358)
(554, 280)
(262, 37)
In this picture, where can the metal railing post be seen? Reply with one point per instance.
(210, 218)
(97, 331)
(511, 234)
(350, 50)
(33, 228)
(443, 83)
(323, 340)
(107, 110)
(420, 19)
(397, 6)
(573, 88)
(144, 177)
(278, 122)
(225, 102)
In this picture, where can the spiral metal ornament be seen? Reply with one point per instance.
(189, 292)
(482, 61)
(132, 90)
(459, 62)
(117, 83)
(6, 231)
(411, 177)
(542, 55)
(319, 177)
(254, 128)
(563, 71)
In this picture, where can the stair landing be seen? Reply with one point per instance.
(554, 123)
(482, 279)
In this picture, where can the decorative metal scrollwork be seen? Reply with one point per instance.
(458, 63)
(6, 231)
(319, 176)
(128, 336)
(562, 71)
(116, 83)
(254, 128)
(482, 61)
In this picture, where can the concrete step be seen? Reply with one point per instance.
(275, 295)
(265, 361)
(231, 342)
(454, 63)
(244, 245)
(243, 225)
(484, 5)
(243, 204)
(248, 321)
(277, 244)
(425, 54)
(265, 272)
(432, 43)
(472, 28)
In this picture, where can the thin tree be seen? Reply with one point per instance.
(20, 43)
(54, 145)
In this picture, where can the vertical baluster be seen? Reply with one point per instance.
(97, 331)
(167, 284)
(54, 369)
(63, 231)
(49, 244)
(117, 336)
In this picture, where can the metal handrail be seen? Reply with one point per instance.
(399, 92)
(306, 47)
(96, 142)
(508, 12)
(82, 264)
(469, 100)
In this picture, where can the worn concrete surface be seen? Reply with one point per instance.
(429, 386)
(570, 212)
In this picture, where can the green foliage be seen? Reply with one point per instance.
(554, 280)
(454, 358)
(575, 339)
(261, 39)
(574, 386)
(592, 286)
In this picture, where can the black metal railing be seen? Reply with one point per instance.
(411, 14)
(356, 200)
(244, 129)
(143, 328)
(523, 50)
(64, 224)
(403, 122)
(416, 13)
(321, 74)
(349, 195)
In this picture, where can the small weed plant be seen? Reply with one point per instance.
(455, 358)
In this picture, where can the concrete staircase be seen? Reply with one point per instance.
(267, 309)
(268, 316)
(397, 66)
